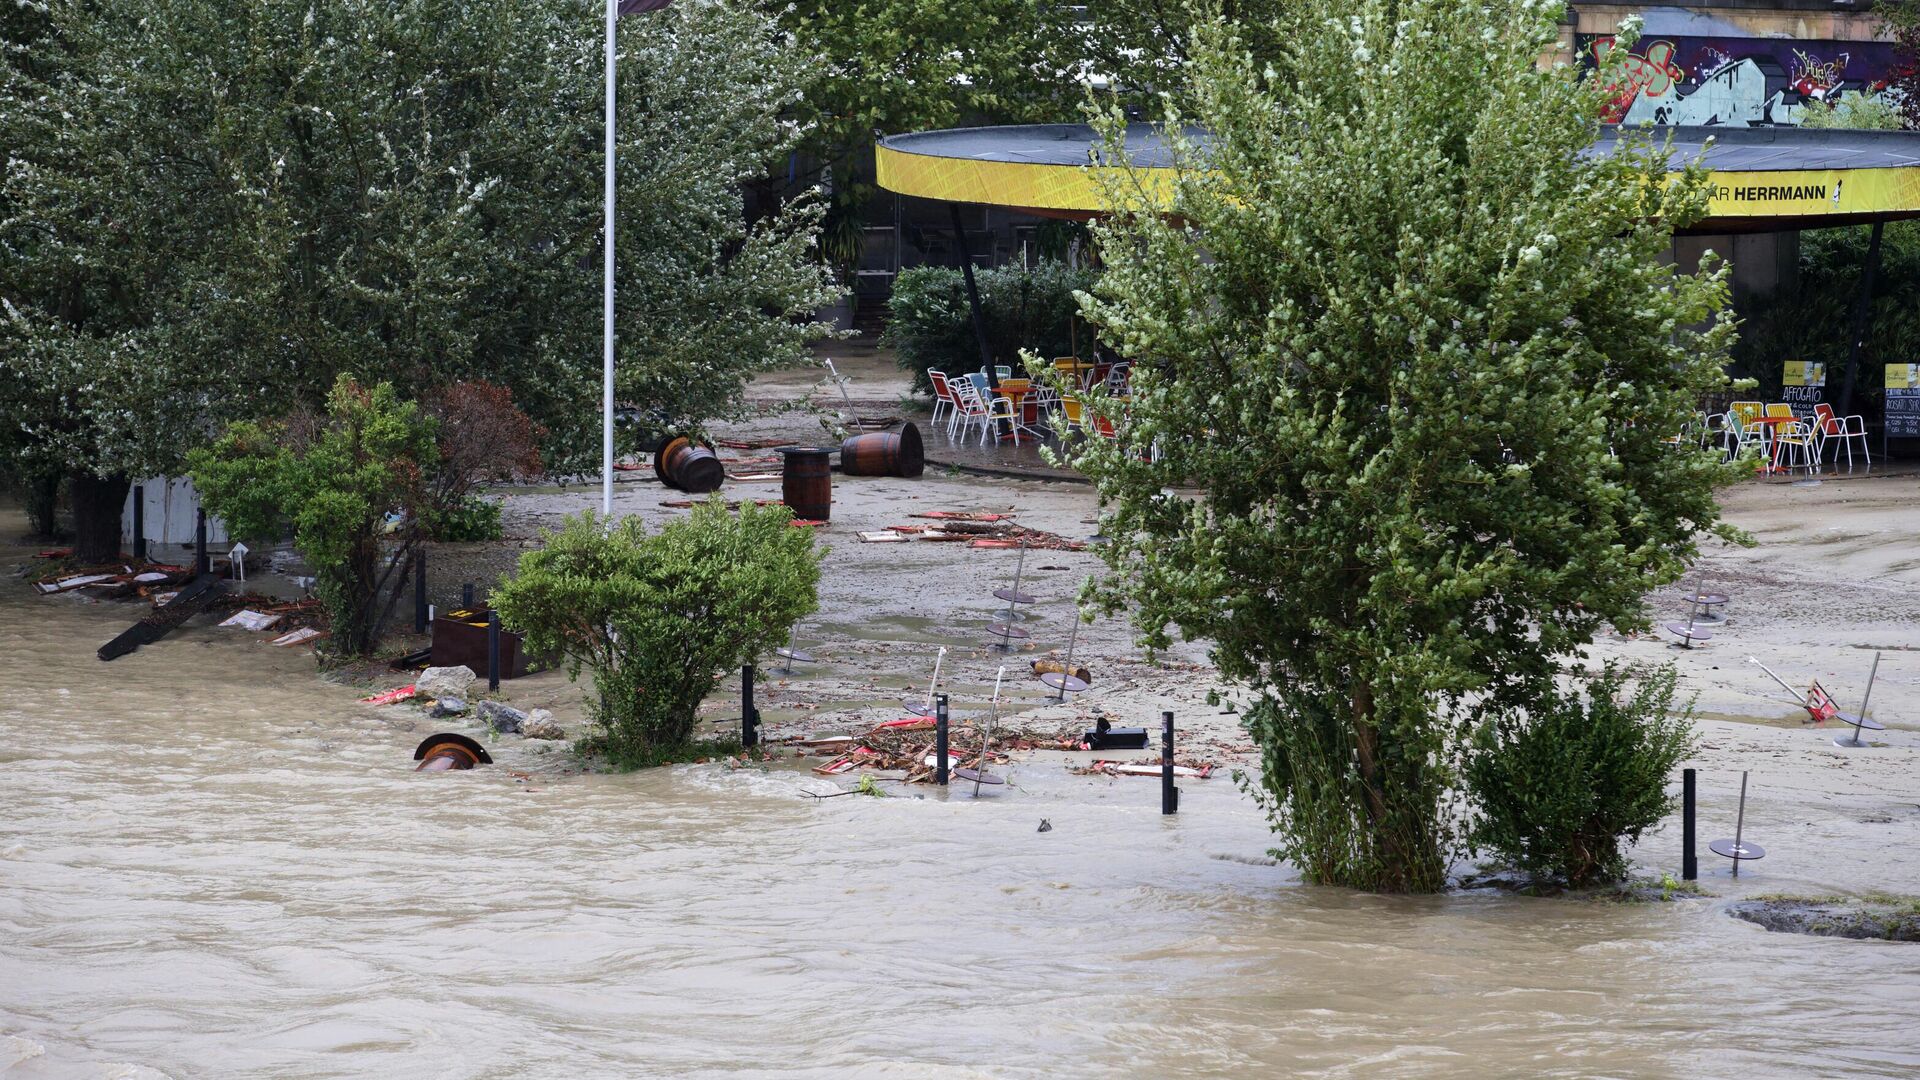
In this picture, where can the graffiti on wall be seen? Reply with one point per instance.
(1737, 81)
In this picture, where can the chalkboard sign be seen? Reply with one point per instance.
(1903, 401)
(1802, 386)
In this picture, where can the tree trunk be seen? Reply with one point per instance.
(97, 505)
(43, 500)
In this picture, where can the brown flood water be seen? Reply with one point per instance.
(214, 864)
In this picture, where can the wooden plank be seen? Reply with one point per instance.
(189, 601)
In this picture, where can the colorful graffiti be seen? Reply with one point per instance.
(1741, 81)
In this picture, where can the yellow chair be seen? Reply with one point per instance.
(1780, 409)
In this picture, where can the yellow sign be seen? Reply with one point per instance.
(1903, 376)
(1812, 192)
(1804, 373)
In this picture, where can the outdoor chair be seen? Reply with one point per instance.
(1829, 427)
(969, 409)
(942, 394)
(1794, 447)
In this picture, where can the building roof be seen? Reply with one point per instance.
(1764, 179)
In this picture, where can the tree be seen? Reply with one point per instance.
(344, 480)
(1405, 375)
(659, 618)
(1144, 47)
(213, 210)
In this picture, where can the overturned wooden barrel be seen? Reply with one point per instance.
(884, 453)
(448, 751)
(685, 467)
(806, 484)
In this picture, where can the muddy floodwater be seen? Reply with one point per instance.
(214, 864)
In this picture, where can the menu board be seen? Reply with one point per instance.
(1903, 401)
(1802, 383)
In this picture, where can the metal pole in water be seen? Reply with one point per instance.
(940, 740)
(986, 741)
(493, 651)
(1169, 795)
(139, 522)
(201, 567)
(749, 716)
(1689, 865)
(420, 591)
(1072, 638)
(1740, 822)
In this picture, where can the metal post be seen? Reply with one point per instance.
(466, 596)
(1740, 825)
(973, 298)
(1169, 795)
(139, 522)
(201, 566)
(493, 651)
(749, 716)
(1862, 320)
(606, 277)
(1689, 866)
(420, 591)
(940, 740)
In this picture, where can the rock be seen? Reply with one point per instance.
(1833, 918)
(449, 706)
(440, 682)
(501, 717)
(539, 724)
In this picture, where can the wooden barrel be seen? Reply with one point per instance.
(806, 485)
(884, 453)
(685, 467)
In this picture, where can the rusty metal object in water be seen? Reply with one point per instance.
(447, 751)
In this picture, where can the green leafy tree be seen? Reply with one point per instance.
(1404, 378)
(931, 327)
(1144, 47)
(1559, 786)
(659, 618)
(345, 481)
(212, 210)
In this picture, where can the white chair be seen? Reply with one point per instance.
(1795, 444)
(942, 394)
(1846, 429)
(969, 409)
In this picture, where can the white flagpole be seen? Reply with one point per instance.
(606, 335)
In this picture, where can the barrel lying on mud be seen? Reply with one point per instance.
(685, 467)
(806, 483)
(884, 453)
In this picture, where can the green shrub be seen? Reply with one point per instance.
(472, 518)
(929, 324)
(1558, 790)
(659, 618)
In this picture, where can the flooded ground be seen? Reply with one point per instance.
(213, 863)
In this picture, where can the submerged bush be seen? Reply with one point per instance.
(1559, 788)
(659, 618)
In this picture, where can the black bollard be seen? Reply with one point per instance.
(749, 716)
(466, 597)
(1689, 866)
(1169, 795)
(940, 740)
(493, 650)
(420, 591)
(201, 566)
(139, 522)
